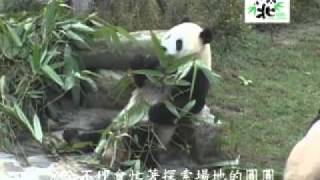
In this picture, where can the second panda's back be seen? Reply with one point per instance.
(304, 160)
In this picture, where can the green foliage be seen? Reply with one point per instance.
(305, 11)
(224, 17)
(39, 52)
(9, 6)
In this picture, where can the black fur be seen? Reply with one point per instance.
(142, 62)
(206, 36)
(160, 114)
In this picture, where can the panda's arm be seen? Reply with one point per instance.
(142, 62)
(199, 93)
(160, 114)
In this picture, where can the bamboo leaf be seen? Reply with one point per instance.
(125, 33)
(36, 57)
(52, 74)
(136, 114)
(2, 87)
(14, 36)
(82, 27)
(70, 67)
(37, 128)
(194, 76)
(49, 19)
(22, 117)
(114, 36)
(101, 146)
(184, 70)
(49, 56)
(211, 75)
(187, 108)
(178, 62)
(159, 51)
(91, 82)
(74, 36)
(172, 108)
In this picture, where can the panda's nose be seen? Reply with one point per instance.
(163, 48)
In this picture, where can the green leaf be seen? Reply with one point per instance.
(182, 83)
(178, 62)
(186, 109)
(81, 27)
(37, 128)
(14, 36)
(101, 146)
(69, 82)
(131, 116)
(120, 87)
(160, 53)
(22, 117)
(211, 75)
(87, 79)
(36, 57)
(114, 36)
(136, 114)
(49, 56)
(194, 76)
(49, 19)
(9, 111)
(70, 68)
(95, 23)
(43, 55)
(183, 70)
(74, 36)
(52, 74)
(2, 87)
(125, 33)
(172, 108)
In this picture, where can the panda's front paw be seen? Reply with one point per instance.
(160, 114)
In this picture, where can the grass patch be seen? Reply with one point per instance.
(265, 119)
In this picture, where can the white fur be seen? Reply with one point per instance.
(149, 94)
(304, 160)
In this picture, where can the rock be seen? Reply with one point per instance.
(205, 147)
(42, 168)
(40, 161)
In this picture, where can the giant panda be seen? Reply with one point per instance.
(181, 40)
(304, 160)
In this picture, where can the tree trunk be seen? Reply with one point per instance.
(82, 6)
(104, 56)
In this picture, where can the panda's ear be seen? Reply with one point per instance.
(206, 36)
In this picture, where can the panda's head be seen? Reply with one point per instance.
(188, 38)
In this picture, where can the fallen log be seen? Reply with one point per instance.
(118, 56)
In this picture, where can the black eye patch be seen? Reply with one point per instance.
(179, 45)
